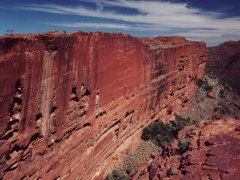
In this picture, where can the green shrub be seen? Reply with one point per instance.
(222, 93)
(200, 82)
(208, 87)
(117, 175)
(170, 172)
(160, 133)
(204, 84)
(183, 145)
(142, 153)
(180, 122)
(163, 141)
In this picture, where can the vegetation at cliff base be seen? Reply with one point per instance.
(181, 122)
(183, 145)
(163, 133)
(117, 175)
(204, 84)
(160, 133)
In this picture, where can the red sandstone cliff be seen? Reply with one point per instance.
(67, 101)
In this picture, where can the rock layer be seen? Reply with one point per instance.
(68, 100)
(213, 153)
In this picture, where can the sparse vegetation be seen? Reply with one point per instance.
(222, 93)
(183, 145)
(224, 103)
(51, 47)
(158, 132)
(141, 154)
(180, 122)
(163, 133)
(170, 172)
(9, 31)
(204, 84)
(117, 175)
(156, 136)
(200, 82)
(163, 140)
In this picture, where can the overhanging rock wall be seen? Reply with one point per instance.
(68, 100)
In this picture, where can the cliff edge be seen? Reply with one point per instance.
(69, 100)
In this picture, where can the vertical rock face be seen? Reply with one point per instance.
(67, 101)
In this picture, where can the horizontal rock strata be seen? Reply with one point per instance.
(68, 100)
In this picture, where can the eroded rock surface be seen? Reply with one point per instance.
(224, 61)
(213, 153)
(69, 100)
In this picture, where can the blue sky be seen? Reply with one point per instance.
(213, 21)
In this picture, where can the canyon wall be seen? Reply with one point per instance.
(224, 61)
(69, 100)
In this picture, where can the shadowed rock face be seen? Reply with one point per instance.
(213, 153)
(69, 100)
(224, 61)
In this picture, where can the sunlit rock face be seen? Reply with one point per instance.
(69, 100)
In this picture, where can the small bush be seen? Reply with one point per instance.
(222, 93)
(204, 84)
(216, 109)
(128, 171)
(117, 175)
(140, 155)
(183, 145)
(163, 141)
(200, 82)
(180, 122)
(170, 172)
(160, 133)
(10, 31)
(208, 87)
